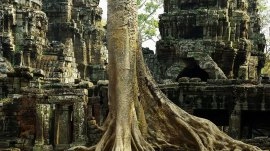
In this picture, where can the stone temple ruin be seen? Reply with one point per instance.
(53, 59)
(49, 51)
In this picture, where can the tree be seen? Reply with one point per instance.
(147, 18)
(264, 10)
(141, 118)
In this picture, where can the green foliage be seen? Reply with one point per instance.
(18, 48)
(5, 100)
(147, 18)
(264, 11)
(266, 68)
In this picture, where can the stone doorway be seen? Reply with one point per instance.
(218, 116)
(255, 124)
(63, 126)
(193, 70)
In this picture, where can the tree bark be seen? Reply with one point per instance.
(141, 118)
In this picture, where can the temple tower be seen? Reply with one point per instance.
(80, 22)
(210, 39)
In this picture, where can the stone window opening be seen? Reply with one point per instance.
(195, 32)
(185, 5)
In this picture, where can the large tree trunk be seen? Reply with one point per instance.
(141, 118)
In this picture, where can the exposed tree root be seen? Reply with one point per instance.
(158, 124)
(171, 127)
(82, 148)
(141, 118)
(110, 141)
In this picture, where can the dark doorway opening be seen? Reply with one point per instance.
(71, 124)
(192, 70)
(255, 124)
(218, 116)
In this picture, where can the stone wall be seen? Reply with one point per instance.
(49, 51)
(151, 60)
(239, 107)
(23, 29)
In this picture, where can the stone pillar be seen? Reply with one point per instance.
(79, 132)
(214, 103)
(245, 100)
(105, 107)
(243, 72)
(26, 57)
(96, 108)
(220, 29)
(181, 96)
(208, 32)
(263, 99)
(233, 32)
(43, 117)
(235, 122)
(39, 125)
(214, 30)
(238, 32)
(205, 29)
(227, 31)
(16, 85)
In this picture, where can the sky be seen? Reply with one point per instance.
(103, 5)
(150, 44)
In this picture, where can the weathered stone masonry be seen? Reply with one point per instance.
(53, 86)
(210, 56)
(221, 37)
(49, 52)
